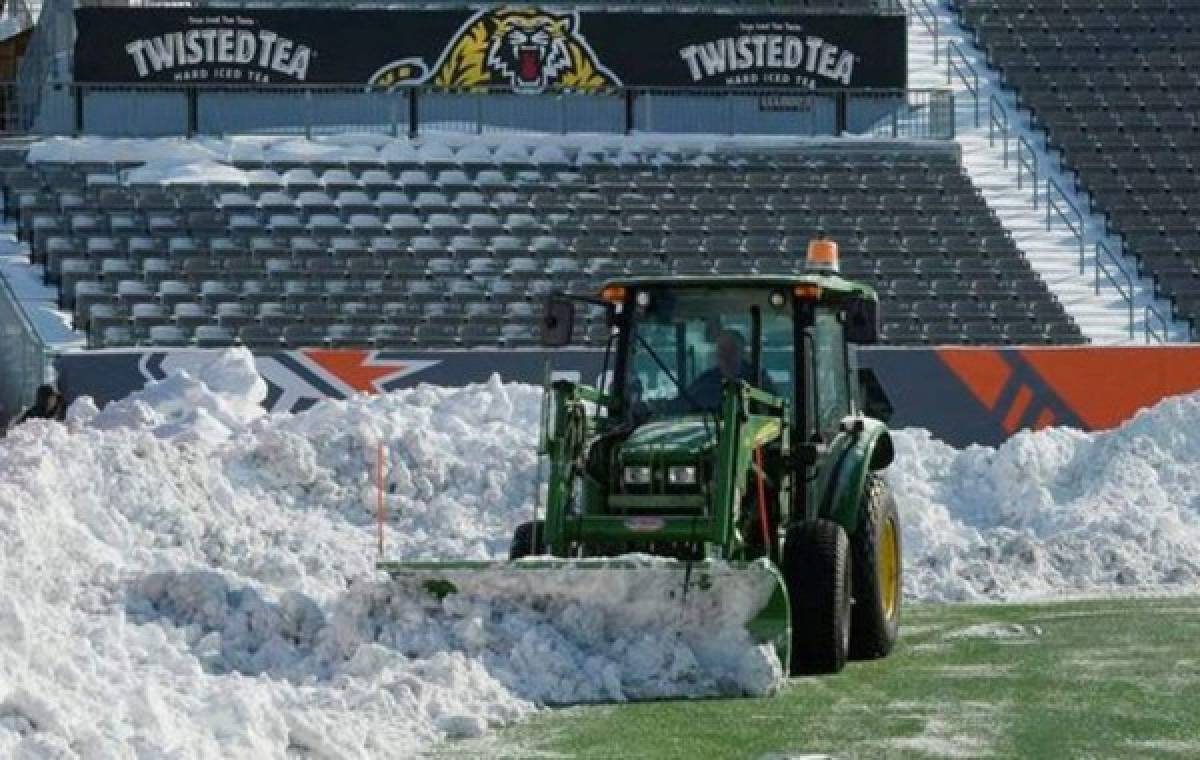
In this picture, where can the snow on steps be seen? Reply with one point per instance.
(1054, 254)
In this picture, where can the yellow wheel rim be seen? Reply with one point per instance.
(889, 569)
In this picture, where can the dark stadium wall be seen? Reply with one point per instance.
(962, 395)
(459, 49)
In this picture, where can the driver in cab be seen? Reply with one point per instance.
(704, 393)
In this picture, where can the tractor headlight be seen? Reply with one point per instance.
(681, 476)
(637, 476)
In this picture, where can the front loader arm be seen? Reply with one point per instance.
(566, 426)
(742, 432)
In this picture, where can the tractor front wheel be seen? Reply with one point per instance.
(529, 540)
(816, 568)
(877, 574)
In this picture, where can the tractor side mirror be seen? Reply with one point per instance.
(558, 321)
(862, 321)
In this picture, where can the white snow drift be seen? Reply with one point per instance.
(1054, 511)
(183, 575)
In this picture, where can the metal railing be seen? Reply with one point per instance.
(1149, 331)
(1110, 267)
(998, 122)
(757, 6)
(965, 72)
(189, 109)
(26, 360)
(924, 12)
(1027, 161)
(1062, 207)
(53, 33)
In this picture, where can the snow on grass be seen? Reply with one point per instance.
(958, 730)
(995, 631)
(1181, 747)
(973, 671)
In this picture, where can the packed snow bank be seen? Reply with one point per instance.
(1054, 511)
(175, 172)
(522, 148)
(183, 575)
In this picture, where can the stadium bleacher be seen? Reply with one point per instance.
(456, 248)
(1116, 87)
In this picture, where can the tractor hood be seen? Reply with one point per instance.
(688, 438)
(682, 439)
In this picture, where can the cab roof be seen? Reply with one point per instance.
(826, 281)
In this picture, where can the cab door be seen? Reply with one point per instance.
(828, 401)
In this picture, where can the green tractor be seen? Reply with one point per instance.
(728, 433)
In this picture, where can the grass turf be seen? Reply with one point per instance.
(1102, 678)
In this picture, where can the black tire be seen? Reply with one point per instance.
(816, 568)
(529, 539)
(878, 580)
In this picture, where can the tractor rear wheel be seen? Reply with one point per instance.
(816, 568)
(878, 581)
(529, 540)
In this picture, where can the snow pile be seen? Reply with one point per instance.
(1054, 511)
(122, 150)
(175, 172)
(182, 575)
(435, 148)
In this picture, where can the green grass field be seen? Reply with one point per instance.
(1113, 678)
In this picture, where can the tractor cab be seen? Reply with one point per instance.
(728, 429)
(691, 360)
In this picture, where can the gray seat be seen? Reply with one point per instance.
(405, 224)
(260, 337)
(168, 335)
(213, 336)
(377, 181)
(117, 337)
(300, 180)
(315, 202)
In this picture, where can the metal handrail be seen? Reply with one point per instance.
(1060, 207)
(360, 87)
(965, 71)
(18, 390)
(1150, 332)
(878, 7)
(1027, 160)
(1112, 274)
(998, 122)
(401, 107)
(924, 12)
(54, 27)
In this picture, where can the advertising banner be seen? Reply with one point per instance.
(962, 395)
(523, 49)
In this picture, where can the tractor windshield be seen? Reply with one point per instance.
(689, 341)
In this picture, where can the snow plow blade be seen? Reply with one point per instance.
(710, 605)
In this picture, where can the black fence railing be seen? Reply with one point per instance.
(162, 110)
(823, 7)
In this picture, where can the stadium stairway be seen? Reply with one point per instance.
(1054, 254)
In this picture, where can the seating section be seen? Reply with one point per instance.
(1117, 88)
(455, 248)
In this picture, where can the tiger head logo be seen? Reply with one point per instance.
(527, 49)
